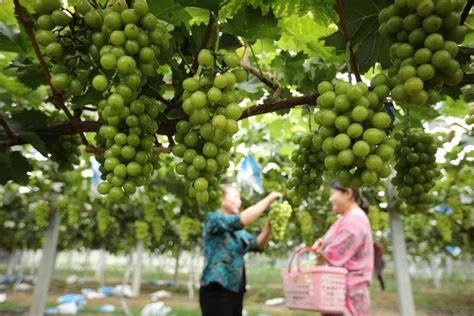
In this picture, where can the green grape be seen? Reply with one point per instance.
(305, 222)
(141, 230)
(416, 168)
(205, 138)
(422, 35)
(279, 219)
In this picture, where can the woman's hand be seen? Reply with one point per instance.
(272, 197)
(318, 246)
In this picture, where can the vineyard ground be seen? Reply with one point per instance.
(454, 297)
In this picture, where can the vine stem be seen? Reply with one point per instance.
(345, 35)
(28, 24)
(13, 138)
(465, 12)
(258, 72)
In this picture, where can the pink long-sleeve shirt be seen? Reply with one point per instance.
(348, 243)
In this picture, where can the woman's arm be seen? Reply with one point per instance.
(264, 236)
(250, 215)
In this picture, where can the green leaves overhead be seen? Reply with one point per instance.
(250, 24)
(12, 40)
(362, 23)
(14, 167)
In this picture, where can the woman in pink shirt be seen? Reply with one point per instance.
(348, 243)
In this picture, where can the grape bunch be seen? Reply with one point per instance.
(205, 138)
(113, 50)
(306, 175)
(279, 219)
(353, 131)
(141, 230)
(73, 212)
(65, 151)
(152, 218)
(470, 117)
(424, 38)
(416, 168)
(188, 227)
(103, 220)
(305, 222)
(41, 213)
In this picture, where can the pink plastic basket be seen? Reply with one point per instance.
(320, 288)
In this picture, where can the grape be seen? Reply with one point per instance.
(356, 155)
(65, 151)
(204, 139)
(188, 227)
(305, 222)
(279, 219)
(41, 212)
(118, 53)
(416, 168)
(428, 45)
(103, 220)
(470, 117)
(141, 230)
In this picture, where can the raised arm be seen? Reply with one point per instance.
(250, 215)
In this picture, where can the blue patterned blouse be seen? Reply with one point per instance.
(225, 244)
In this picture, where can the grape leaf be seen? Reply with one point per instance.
(362, 23)
(34, 140)
(12, 40)
(252, 25)
(14, 167)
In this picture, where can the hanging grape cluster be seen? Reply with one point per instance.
(41, 213)
(306, 175)
(416, 168)
(66, 152)
(205, 138)
(141, 230)
(470, 117)
(424, 38)
(279, 219)
(152, 218)
(305, 221)
(353, 131)
(103, 220)
(112, 50)
(188, 227)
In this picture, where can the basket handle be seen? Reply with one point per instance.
(296, 254)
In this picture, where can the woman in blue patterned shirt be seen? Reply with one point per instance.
(225, 244)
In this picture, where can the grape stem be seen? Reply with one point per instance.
(14, 139)
(345, 35)
(205, 39)
(28, 24)
(244, 63)
(465, 12)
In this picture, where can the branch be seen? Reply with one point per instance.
(205, 39)
(258, 73)
(345, 35)
(465, 12)
(28, 24)
(13, 138)
(279, 105)
(162, 150)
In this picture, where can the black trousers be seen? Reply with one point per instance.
(218, 301)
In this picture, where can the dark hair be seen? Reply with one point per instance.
(355, 194)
